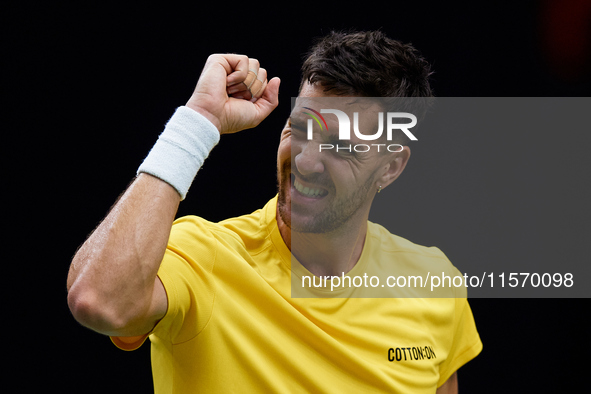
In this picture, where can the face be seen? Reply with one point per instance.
(322, 191)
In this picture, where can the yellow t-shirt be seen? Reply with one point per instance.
(232, 325)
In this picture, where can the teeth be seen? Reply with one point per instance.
(306, 190)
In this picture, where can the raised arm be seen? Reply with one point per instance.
(112, 283)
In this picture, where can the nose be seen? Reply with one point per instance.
(309, 159)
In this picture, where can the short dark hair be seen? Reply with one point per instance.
(367, 64)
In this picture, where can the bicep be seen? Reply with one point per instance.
(159, 302)
(450, 386)
(158, 308)
(134, 337)
(154, 313)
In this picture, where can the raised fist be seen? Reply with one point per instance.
(233, 92)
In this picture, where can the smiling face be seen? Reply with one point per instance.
(322, 191)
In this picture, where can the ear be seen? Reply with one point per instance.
(393, 167)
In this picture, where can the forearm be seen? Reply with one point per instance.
(112, 283)
(112, 276)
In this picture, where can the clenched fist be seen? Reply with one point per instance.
(233, 92)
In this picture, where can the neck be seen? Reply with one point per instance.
(330, 253)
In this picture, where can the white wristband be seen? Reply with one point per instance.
(181, 149)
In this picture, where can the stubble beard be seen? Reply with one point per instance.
(329, 220)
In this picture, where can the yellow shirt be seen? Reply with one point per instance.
(233, 326)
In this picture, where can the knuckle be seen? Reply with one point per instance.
(214, 58)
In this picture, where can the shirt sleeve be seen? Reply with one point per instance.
(466, 342)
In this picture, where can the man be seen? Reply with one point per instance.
(215, 298)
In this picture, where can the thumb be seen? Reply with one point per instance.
(270, 98)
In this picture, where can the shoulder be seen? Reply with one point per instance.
(431, 272)
(242, 230)
(391, 243)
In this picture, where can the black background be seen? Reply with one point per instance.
(88, 88)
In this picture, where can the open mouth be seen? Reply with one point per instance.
(306, 190)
